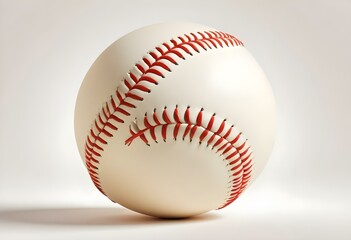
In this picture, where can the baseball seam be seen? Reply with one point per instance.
(223, 138)
(139, 81)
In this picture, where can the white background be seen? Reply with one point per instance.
(46, 48)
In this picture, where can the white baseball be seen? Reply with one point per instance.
(174, 120)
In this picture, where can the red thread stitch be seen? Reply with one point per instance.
(147, 72)
(238, 154)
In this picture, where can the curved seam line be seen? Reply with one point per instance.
(90, 153)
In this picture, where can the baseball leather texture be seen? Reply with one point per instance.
(174, 120)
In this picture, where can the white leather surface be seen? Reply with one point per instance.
(176, 178)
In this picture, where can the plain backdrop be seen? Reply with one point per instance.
(46, 48)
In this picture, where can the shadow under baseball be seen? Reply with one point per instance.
(91, 217)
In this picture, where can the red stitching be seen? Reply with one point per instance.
(237, 154)
(149, 70)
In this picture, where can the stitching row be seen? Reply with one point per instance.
(138, 82)
(220, 136)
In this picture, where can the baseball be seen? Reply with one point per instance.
(174, 120)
